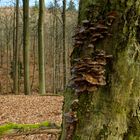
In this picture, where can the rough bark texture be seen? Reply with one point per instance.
(113, 111)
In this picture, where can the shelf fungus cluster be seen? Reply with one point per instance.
(89, 73)
(93, 32)
(89, 67)
(89, 70)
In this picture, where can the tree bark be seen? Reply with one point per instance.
(112, 111)
(26, 46)
(55, 49)
(64, 44)
(16, 52)
(41, 51)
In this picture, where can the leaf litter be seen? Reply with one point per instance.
(23, 109)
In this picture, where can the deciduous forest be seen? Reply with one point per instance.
(70, 70)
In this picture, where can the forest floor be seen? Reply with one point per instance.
(23, 109)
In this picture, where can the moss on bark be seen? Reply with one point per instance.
(110, 113)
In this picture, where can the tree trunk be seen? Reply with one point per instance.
(112, 111)
(64, 44)
(26, 46)
(7, 52)
(55, 49)
(14, 30)
(34, 62)
(1, 55)
(56, 68)
(41, 51)
(16, 51)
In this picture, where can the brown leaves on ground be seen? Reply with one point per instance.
(32, 137)
(30, 109)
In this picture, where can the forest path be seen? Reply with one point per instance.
(23, 109)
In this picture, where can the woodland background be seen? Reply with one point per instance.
(53, 39)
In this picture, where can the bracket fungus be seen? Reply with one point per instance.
(88, 72)
(111, 16)
(89, 69)
(86, 23)
(71, 117)
(101, 27)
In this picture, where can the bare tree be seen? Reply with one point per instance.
(41, 51)
(16, 51)
(64, 43)
(26, 46)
